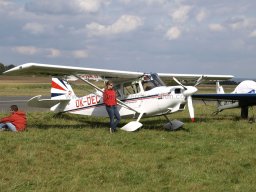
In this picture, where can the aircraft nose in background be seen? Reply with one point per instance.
(190, 90)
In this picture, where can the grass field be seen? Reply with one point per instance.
(32, 86)
(73, 153)
(77, 153)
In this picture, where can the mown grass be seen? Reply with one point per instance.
(33, 89)
(77, 153)
(32, 86)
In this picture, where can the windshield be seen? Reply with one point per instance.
(157, 80)
(151, 81)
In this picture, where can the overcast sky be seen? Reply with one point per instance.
(176, 36)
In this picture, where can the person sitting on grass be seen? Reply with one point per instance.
(17, 121)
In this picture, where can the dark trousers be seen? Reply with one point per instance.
(113, 113)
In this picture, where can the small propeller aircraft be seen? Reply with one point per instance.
(242, 97)
(139, 94)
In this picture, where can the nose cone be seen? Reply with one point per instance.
(190, 90)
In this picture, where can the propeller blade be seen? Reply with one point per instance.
(191, 108)
(189, 90)
(178, 82)
(199, 80)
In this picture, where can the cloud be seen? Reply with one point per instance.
(125, 1)
(53, 53)
(253, 34)
(124, 24)
(9, 8)
(148, 2)
(6, 4)
(201, 15)
(3, 3)
(237, 23)
(26, 50)
(173, 33)
(65, 7)
(80, 54)
(89, 5)
(216, 27)
(181, 14)
(73, 29)
(50, 52)
(34, 28)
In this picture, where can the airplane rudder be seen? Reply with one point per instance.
(61, 89)
(219, 88)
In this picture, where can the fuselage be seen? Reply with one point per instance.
(150, 97)
(157, 101)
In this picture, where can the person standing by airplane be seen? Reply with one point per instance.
(110, 101)
(17, 121)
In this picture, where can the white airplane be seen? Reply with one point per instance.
(139, 94)
(242, 97)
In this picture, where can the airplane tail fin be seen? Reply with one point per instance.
(61, 89)
(224, 104)
(61, 94)
(219, 88)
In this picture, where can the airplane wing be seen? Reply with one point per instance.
(241, 97)
(60, 70)
(195, 78)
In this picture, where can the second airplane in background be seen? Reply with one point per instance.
(242, 97)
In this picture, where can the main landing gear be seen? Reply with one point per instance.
(172, 125)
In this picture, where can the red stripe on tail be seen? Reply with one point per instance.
(56, 86)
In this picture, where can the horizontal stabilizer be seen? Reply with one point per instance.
(44, 103)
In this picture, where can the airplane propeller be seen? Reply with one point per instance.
(178, 82)
(191, 108)
(189, 91)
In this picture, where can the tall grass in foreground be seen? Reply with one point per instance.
(77, 153)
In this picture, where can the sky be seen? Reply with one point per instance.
(171, 36)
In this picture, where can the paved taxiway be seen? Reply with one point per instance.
(20, 101)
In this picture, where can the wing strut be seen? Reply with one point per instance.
(131, 126)
(119, 101)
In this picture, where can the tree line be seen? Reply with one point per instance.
(5, 67)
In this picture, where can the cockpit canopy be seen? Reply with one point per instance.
(145, 83)
(150, 81)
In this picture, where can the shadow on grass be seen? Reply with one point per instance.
(72, 121)
(65, 121)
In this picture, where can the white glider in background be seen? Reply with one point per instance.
(242, 97)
